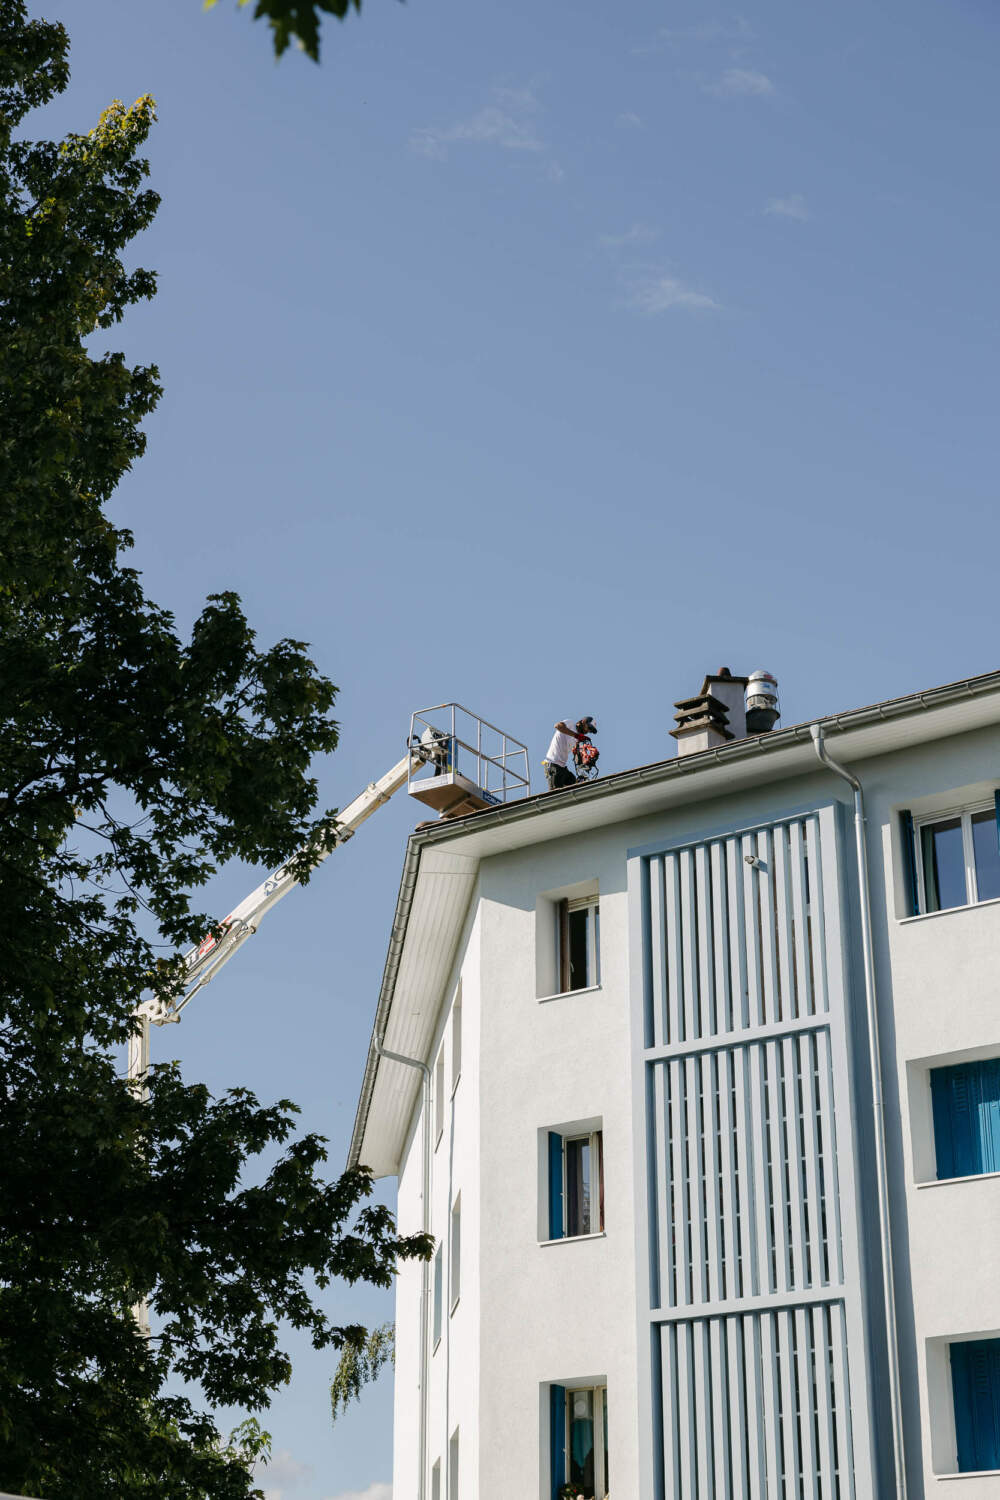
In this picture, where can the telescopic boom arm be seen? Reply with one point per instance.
(202, 963)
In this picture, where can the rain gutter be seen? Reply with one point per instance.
(659, 772)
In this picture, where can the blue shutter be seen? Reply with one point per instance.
(975, 1383)
(555, 1185)
(557, 1436)
(910, 861)
(966, 1105)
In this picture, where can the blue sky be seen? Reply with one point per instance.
(545, 357)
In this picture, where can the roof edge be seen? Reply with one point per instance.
(655, 771)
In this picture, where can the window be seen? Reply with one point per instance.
(975, 1381)
(952, 860)
(436, 1481)
(438, 1292)
(578, 1425)
(439, 1097)
(576, 1184)
(578, 936)
(966, 1107)
(455, 1267)
(456, 1040)
(453, 1466)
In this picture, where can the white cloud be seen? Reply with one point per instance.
(653, 294)
(792, 207)
(281, 1473)
(508, 122)
(373, 1492)
(629, 120)
(638, 234)
(735, 30)
(740, 82)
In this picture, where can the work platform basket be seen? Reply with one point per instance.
(469, 764)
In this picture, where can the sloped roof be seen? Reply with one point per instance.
(442, 862)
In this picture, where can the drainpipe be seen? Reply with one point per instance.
(878, 1109)
(425, 1270)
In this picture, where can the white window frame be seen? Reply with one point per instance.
(596, 1181)
(438, 1309)
(454, 1462)
(439, 1098)
(966, 813)
(456, 1039)
(455, 1254)
(600, 1398)
(592, 905)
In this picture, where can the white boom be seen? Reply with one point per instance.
(204, 962)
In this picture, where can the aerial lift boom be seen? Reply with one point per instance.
(434, 748)
(202, 963)
(494, 767)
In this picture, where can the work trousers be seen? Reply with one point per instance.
(557, 776)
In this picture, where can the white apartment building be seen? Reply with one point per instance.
(666, 1175)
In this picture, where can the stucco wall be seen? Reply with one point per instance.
(531, 1313)
(940, 984)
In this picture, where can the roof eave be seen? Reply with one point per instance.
(778, 745)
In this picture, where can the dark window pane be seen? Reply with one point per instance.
(943, 855)
(581, 1439)
(578, 949)
(578, 1172)
(987, 850)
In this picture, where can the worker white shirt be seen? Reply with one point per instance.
(561, 748)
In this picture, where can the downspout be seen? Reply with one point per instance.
(878, 1108)
(425, 1270)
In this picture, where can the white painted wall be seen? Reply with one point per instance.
(454, 1364)
(940, 984)
(532, 1313)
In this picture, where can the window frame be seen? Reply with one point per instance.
(455, 1255)
(599, 1395)
(591, 904)
(595, 1139)
(456, 1039)
(965, 812)
(454, 1464)
(439, 1097)
(437, 1321)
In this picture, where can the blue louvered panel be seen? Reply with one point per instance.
(555, 1185)
(966, 1104)
(557, 1436)
(975, 1378)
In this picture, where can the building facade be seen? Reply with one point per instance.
(700, 1067)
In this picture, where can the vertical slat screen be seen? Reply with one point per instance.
(744, 1184)
(732, 943)
(757, 1405)
(745, 1180)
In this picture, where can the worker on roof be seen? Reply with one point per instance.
(564, 741)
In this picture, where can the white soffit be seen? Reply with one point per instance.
(440, 900)
(442, 863)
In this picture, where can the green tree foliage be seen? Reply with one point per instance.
(132, 763)
(361, 1360)
(296, 21)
